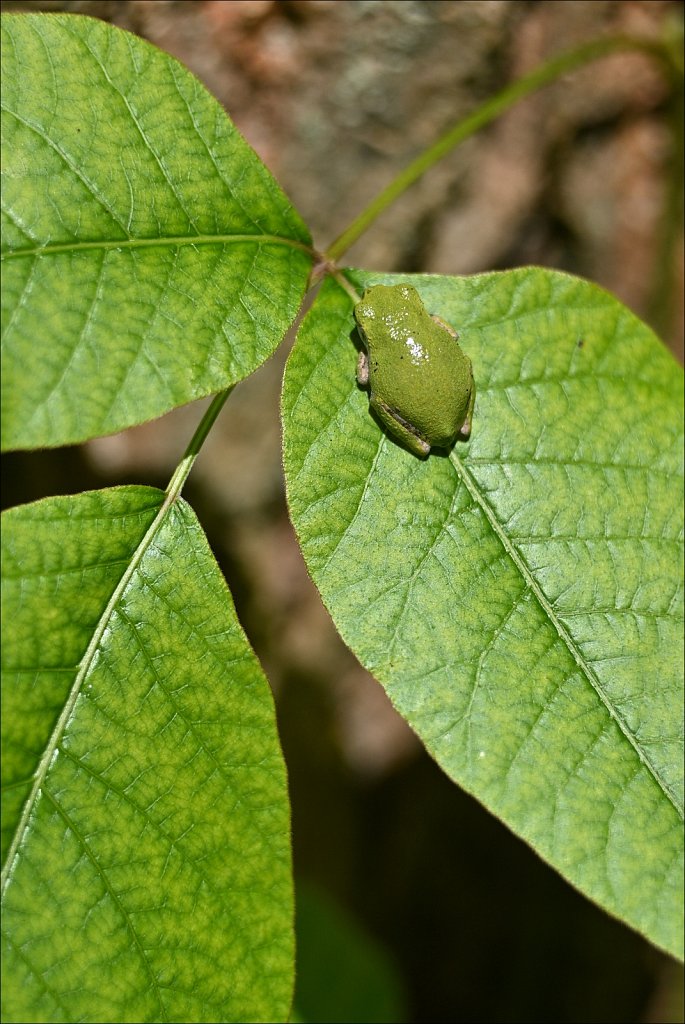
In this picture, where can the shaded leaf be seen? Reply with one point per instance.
(343, 973)
(146, 827)
(149, 258)
(520, 599)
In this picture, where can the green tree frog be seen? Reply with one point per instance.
(420, 382)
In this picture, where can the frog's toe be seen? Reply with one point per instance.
(420, 447)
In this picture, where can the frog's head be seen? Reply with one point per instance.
(386, 303)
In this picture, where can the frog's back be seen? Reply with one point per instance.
(424, 384)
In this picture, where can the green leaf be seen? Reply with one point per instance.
(149, 258)
(521, 599)
(146, 849)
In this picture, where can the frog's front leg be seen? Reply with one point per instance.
(445, 325)
(398, 428)
(363, 370)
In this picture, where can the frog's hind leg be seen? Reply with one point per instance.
(399, 428)
(465, 429)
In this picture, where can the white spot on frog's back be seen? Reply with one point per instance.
(417, 352)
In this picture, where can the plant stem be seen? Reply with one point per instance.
(486, 113)
(180, 474)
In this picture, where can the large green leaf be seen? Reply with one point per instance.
(520, 599)
(149, 258)
(146, 847)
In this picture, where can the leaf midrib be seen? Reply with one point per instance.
(149, 243)
(84, 668)
(587, 670)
